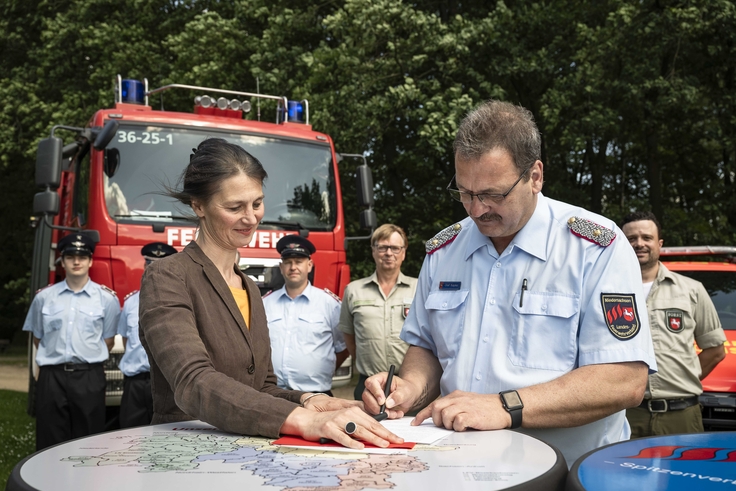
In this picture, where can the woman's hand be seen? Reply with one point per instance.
(312, 425)
(323, 402)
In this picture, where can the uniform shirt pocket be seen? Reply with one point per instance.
(368, 321)
(446, 311)
(53, 317)
(544, 331)
(91, 319)
(312, 329)
(673, 317)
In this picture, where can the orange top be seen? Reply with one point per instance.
(243, 301)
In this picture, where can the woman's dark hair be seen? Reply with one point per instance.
(214, 161)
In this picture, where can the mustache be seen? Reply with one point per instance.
(489, 217)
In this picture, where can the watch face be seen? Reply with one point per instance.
(512, 400)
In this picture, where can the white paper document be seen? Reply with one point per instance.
(426, 432)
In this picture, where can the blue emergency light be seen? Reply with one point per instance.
(133, 92)
(296, 112)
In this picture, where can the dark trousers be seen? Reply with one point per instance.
(136, 405)
(69, 404)
(643, 423)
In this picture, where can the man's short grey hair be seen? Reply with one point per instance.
(496, 124)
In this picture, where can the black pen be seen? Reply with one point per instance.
(389, 380)
(521, 296)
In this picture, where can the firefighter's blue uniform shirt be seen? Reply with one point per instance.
(304, 338)
(72, 326)
(467, 312)
(134, 360)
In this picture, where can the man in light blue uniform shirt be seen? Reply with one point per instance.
(136, 405)
(529, 313)
(73, 324)
(306, 344)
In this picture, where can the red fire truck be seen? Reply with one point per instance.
(109, 182)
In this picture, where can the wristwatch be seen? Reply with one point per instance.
(512, 403)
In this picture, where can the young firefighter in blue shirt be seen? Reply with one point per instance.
(136, 405)
(527, 307)
(73, 324)
(307, 346)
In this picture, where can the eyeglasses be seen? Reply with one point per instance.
(485, 198)
(383, 249)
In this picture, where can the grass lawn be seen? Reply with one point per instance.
(17, 432)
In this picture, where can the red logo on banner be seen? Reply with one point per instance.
(676, 452)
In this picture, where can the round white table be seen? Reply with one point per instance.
(192, 455)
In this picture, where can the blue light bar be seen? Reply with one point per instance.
(296, 112)
(133, 92)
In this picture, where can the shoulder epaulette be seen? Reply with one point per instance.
(267, 293)
(327, 291)
(130, 295)
(443, 238)
(109, 290)
(591, 231)
(42, 289)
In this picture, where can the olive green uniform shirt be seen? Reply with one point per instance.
(375, 320)
(680, 312)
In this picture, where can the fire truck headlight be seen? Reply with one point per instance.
(222, 103)
(235, 105)
(204, 100)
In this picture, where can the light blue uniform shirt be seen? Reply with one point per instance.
(304, 338)
(134, 360)
(467, 312)
(72, 326)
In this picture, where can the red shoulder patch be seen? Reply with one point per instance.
(591, 231)
(443, 238)
(109, 290)
(42, 289)
(130, 295)
(327, 291)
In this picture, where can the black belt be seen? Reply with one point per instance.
(73, 367)
(139, 376)
(664, 405)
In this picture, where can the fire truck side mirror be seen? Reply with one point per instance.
(46, 203)
(107, 134)
(364, 185)
(48, 163)
(368, 219)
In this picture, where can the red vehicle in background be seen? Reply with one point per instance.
(715, 268)
(110, 183)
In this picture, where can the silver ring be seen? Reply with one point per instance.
(350, 427)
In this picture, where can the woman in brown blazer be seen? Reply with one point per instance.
(204, 327)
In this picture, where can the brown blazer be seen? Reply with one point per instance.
(205, 363)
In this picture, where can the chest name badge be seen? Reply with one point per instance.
(450, 285)
(674, 320)
(620, 314)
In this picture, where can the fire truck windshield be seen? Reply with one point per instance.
(299, 191)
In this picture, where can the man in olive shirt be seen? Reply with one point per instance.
(680, 313)
(374, 308)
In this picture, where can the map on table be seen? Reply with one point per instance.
(193, 455)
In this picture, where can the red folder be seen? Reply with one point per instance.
(301, 442)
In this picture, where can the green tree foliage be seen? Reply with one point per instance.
(635, 99)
